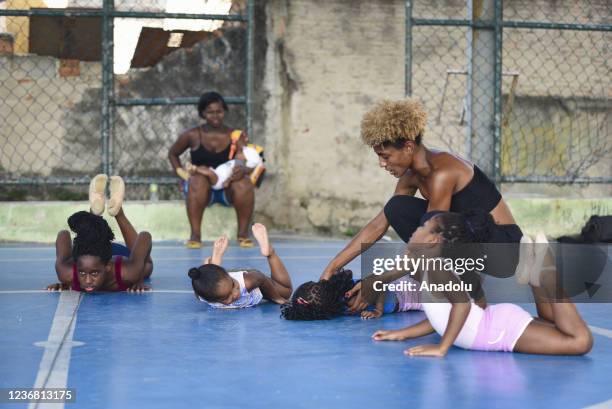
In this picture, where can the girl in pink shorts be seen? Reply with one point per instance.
(558, 329)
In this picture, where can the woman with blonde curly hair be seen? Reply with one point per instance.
(394, 130)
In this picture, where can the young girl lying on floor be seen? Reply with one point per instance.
(220, 288)
(558, 329)
(92, 262)
(327, 299)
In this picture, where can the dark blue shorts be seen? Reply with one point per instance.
(219, 196)
(120, 250)
(216, 196)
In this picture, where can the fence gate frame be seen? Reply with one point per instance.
(491, 20)
(109, 103)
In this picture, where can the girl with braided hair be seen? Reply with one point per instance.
(321, 300)
(558, 329)
(92, 262)
(327, 299)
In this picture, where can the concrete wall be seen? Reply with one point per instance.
(328, 62)
(40, 221)
(319, 66)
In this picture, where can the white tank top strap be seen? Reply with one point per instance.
(238, 276)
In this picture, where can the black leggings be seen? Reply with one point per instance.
(406, 213)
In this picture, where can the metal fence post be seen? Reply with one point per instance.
(408, 50)
(497, 97)
(249, 68)
(107, 83)
(480, 89)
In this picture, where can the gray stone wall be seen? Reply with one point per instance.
(319, 66)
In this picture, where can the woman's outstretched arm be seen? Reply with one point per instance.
(370, 234)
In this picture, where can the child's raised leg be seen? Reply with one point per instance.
(219, 248)
(129, 233)
(279, 274)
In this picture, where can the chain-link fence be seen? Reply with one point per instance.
(520, 87)
(108, 86)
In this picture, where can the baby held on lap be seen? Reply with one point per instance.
(219, 175)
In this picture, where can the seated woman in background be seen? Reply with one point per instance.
(210, 145)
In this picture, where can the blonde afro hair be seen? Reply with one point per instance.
(391, 121)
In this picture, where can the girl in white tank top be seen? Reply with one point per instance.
(219, 288)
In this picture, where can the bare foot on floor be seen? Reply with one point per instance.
(219, 249)
(261, 235)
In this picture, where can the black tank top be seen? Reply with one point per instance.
(203, 157)
(480, 193)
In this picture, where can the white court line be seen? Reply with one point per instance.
(24, 291)
(15, 260)
(181, 247)
(53, 369)
(603, 405)
(169, 291)
(601, 331)
(69, 291)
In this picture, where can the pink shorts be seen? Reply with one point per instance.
(501, 326)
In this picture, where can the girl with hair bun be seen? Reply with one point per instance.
(92, 262)
(220, 288)
(558, 329)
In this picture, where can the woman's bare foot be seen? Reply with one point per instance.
(97, 190)
(261, 235)
(117, 194)
(219, 248)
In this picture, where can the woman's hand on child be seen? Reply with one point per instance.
(58, 287)
(367, 315)
(138, 288)
(426, 350)
(368, 291)
(238, 172)
(203, 170)
(355, 303)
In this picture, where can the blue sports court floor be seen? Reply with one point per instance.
(165, 349)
